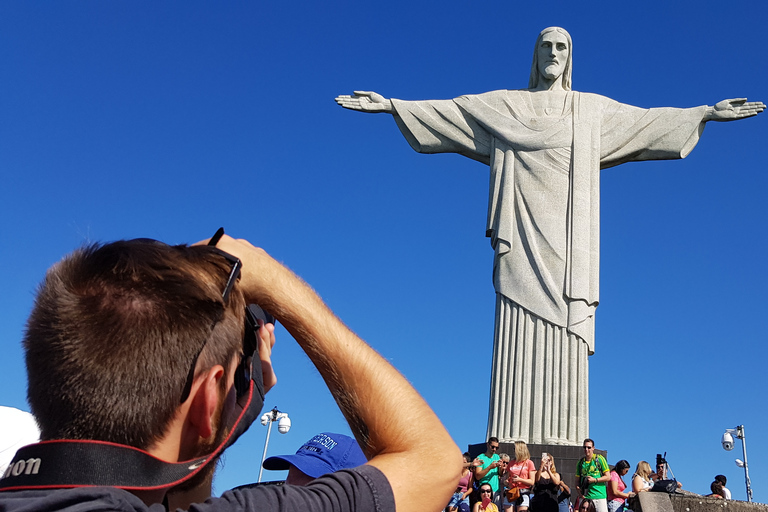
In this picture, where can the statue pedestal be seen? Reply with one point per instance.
(565, 457)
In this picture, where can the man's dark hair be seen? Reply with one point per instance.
(493, 439)
(113, 333)
(721, 479)
(588, 440)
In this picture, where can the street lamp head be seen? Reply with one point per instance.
(283, 426)
(727, 441)
(740, 463)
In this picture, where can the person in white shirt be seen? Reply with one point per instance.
(723, 480)
(17, 428)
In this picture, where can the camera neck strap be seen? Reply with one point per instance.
(78, 463)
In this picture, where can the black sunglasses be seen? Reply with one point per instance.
(253, 314)
(483, 491)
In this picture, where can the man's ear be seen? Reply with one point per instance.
(205, 402)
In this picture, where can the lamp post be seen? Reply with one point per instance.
(727, 442)
(283, 426)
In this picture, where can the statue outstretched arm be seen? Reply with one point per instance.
(366, 101)
(733, 109)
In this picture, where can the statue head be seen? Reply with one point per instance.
(541, 68)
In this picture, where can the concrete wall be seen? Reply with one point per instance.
(689, 502)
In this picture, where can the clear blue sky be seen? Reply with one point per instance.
(170, 119)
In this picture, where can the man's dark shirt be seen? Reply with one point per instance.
(363, 489)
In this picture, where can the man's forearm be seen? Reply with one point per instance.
(480, 473)
(372, 395)
(369, 391)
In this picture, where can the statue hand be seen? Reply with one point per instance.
(738, 108)
(365, 101)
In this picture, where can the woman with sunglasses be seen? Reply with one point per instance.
(486, 500)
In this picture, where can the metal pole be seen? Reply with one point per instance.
(743, 438)
(266, 444)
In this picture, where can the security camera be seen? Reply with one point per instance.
(284, 425)
(727, 441)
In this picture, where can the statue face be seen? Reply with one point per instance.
(552, 55)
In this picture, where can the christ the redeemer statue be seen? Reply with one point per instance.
(545, 146)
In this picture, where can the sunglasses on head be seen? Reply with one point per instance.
(253, 314)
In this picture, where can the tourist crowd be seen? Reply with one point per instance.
(500, 482)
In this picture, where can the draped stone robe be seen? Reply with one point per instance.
(543, 222)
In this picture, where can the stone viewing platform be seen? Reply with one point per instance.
(689, 502)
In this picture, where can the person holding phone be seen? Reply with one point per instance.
(546, 486)
(520, 479)
(617, 498)
(486, 468)
(485, 504)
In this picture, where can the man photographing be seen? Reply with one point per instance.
(144, 345)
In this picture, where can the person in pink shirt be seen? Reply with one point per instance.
(460, 499)
(522, 476)
(615, 488)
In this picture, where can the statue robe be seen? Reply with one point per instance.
(543, 222)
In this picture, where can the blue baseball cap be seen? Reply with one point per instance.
(324, 453)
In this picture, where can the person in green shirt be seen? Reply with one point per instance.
(486, 468)
(592, 472)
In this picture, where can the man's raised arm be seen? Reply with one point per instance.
(369, 391)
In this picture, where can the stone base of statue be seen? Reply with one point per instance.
(565, 458)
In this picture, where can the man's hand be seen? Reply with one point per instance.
(259, 273)
(365, 101)
(733, 109)
(252, 282)
(266, 343)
